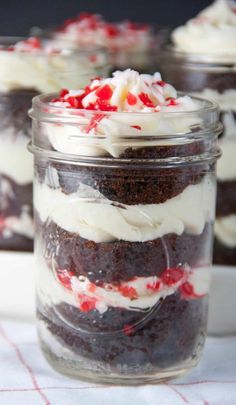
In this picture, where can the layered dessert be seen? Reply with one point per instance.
(202, 61)
(27, 68)
(129, 43)
(124, 206)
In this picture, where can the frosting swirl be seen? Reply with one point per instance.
(212, 31)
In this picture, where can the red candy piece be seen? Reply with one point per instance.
(64, 276)
(34, 42)
(86, 303)
(63, 93)
(73, 101)
(104, 92)
(187, 291)
(160, 83)
(155, 286)
(144, 97)
(136, 127)
(131, 99)
(127, 291)
(172, 276)
(172, 102)
(111, 30)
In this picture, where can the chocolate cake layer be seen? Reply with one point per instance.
(118, 261)
(132, 186)
(170, 335)
(223, 254)
(226, 198)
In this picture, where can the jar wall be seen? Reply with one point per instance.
(122, 272)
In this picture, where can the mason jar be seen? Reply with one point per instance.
(123, 239)
(24, 74)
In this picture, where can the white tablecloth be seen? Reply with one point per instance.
(27, 379)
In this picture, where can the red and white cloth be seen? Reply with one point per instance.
(27, 379)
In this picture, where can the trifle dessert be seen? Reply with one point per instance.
(124, 203)
(29, 67)
(202, 61)
(129, 43)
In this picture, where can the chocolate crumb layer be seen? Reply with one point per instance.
(132, 186)
(113, 262)
(171, 334)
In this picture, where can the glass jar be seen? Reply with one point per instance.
(213, 77)
(123, 240)
(22, 76)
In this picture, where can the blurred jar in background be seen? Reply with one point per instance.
(130, 44)
(29, 67)
(202, 60)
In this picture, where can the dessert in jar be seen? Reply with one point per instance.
(129, 44)
(29, 67)
(124, 207)
(202, 60)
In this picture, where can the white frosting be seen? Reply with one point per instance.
(15, 160)
(51, 291)
(111, 134)
(226, 167)
(213, 31)
(42, 72)
(225, 230)
(93, 217)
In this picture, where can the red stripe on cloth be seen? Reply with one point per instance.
(180, 395)
(205, 382)
(23, 362)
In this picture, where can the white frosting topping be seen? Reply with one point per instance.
(93, 217)
(15, 160)
(225, 230)
(226, 167)
(213, 31)
(106, 133)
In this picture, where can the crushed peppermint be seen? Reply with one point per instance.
(125, 91)
(91, 296)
